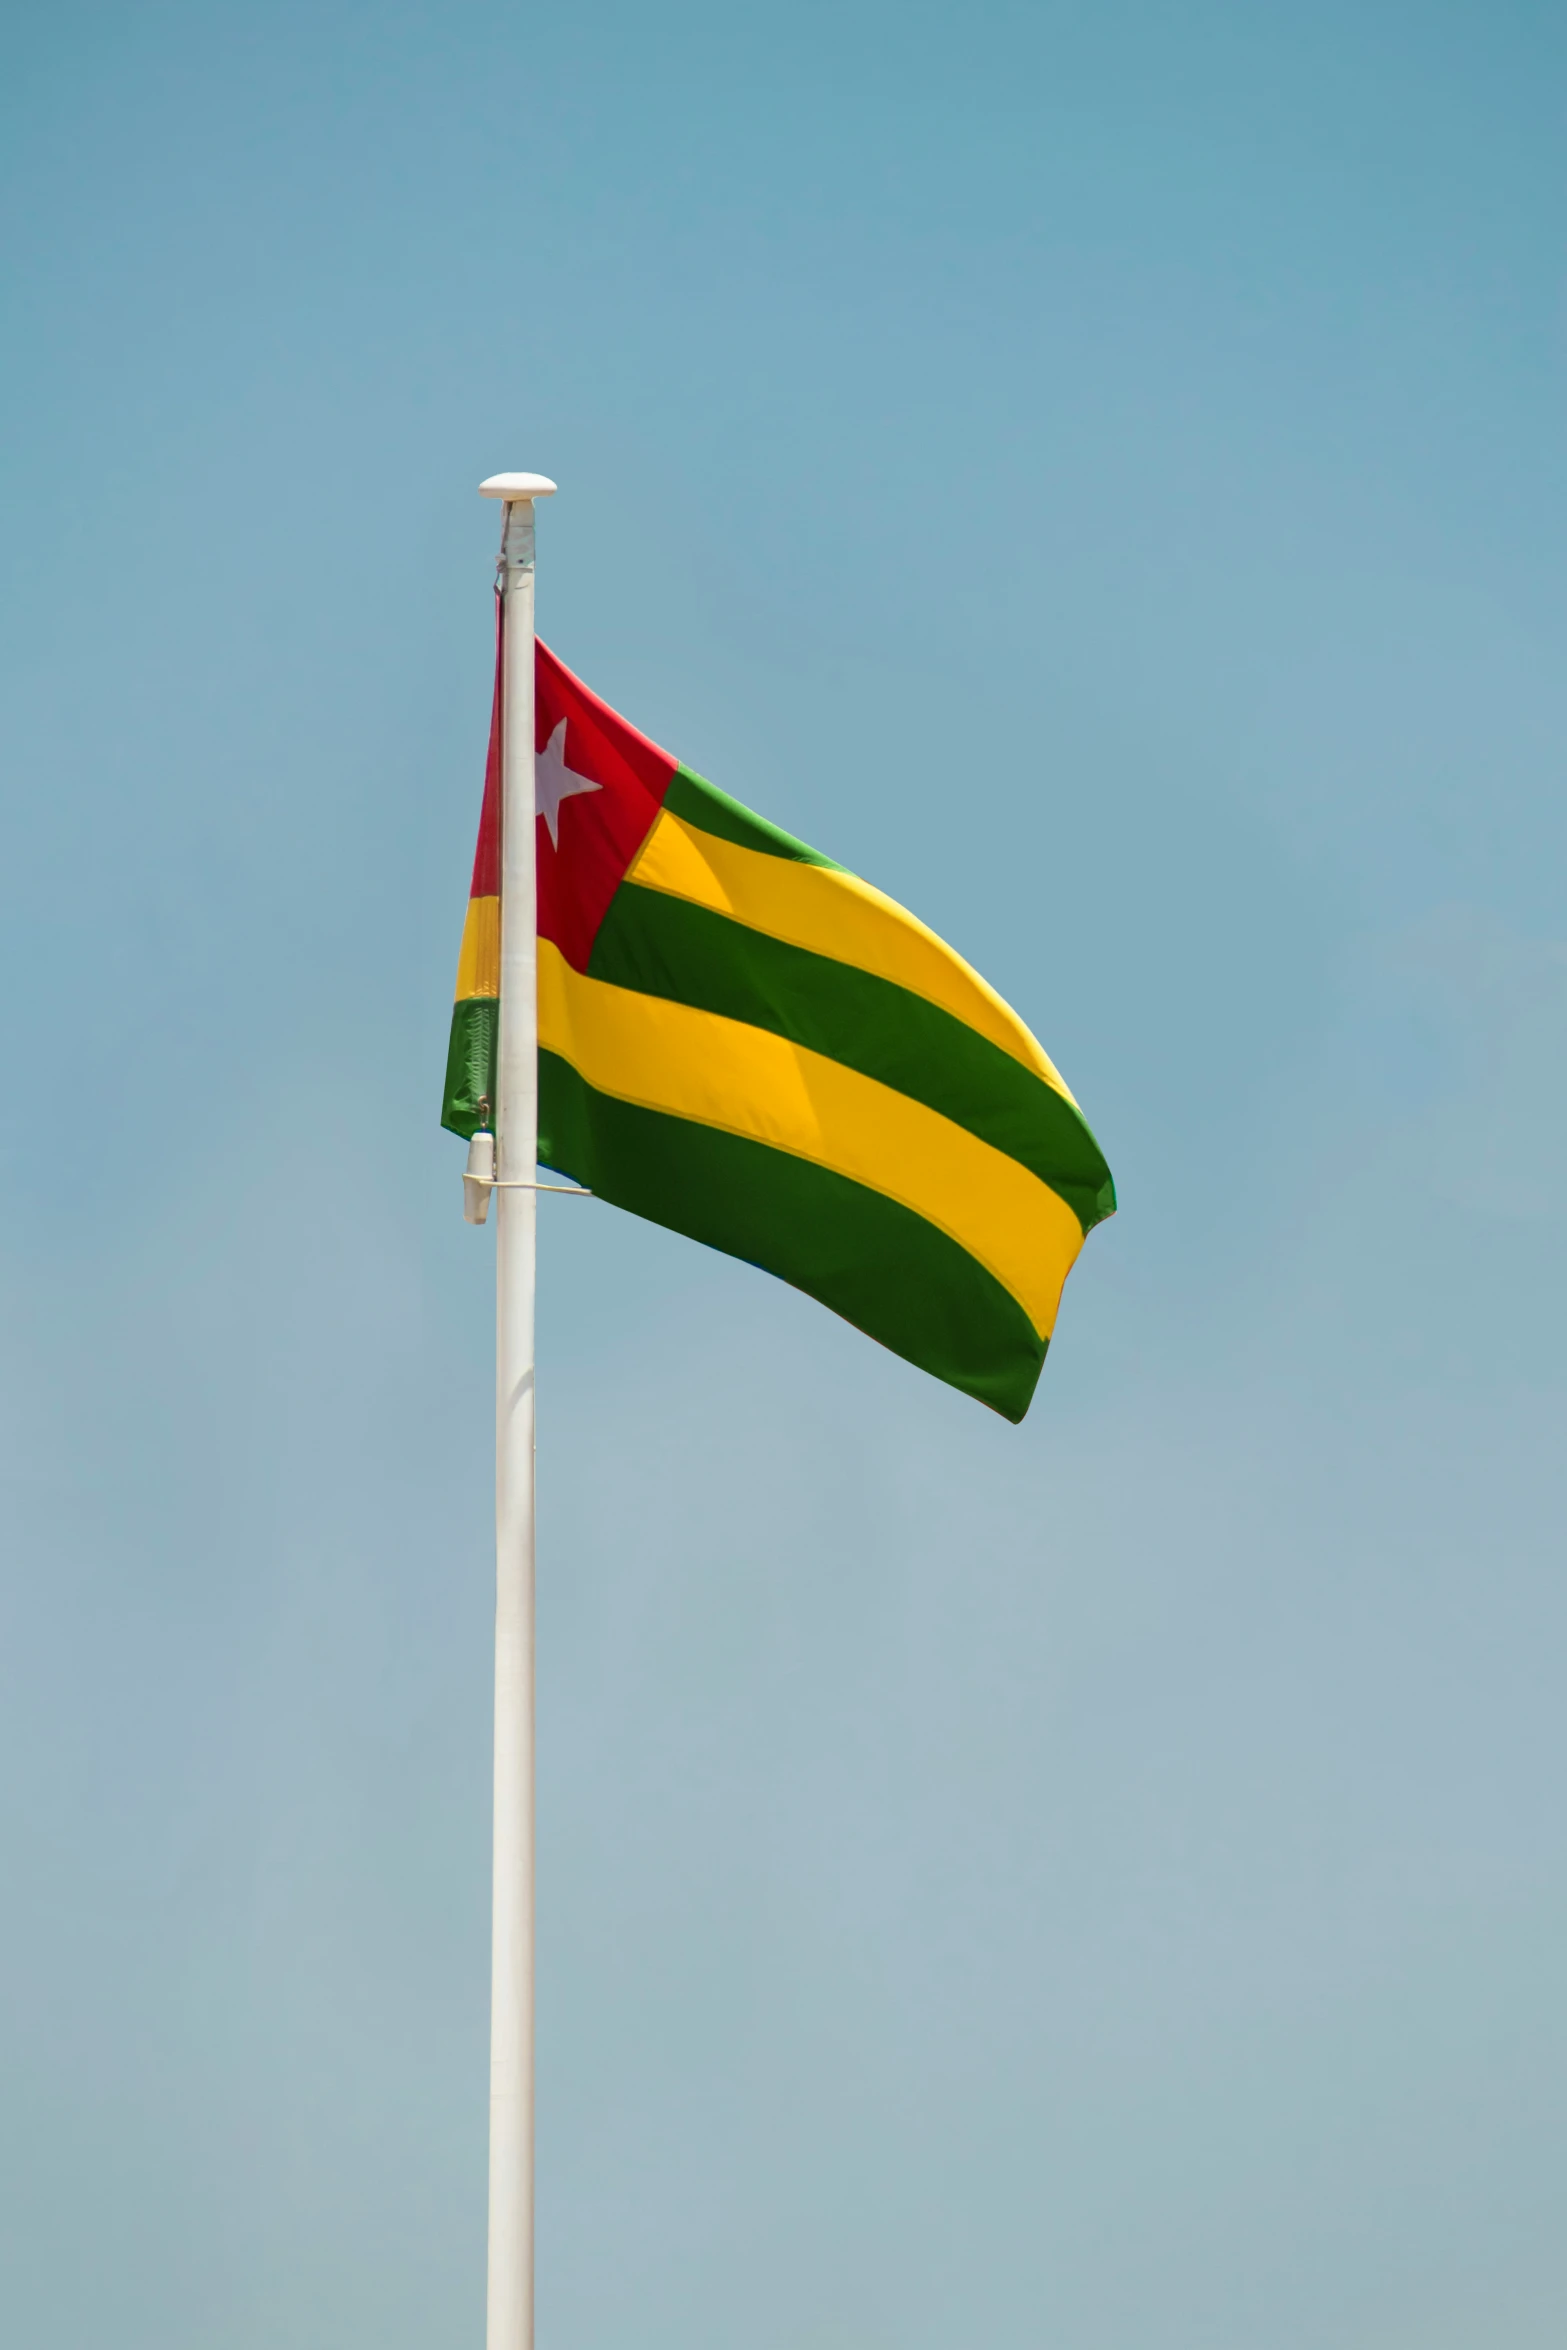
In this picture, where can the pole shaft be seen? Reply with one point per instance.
(510, 2297)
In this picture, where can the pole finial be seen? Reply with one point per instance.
(513, 486)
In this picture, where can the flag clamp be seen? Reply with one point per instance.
(480, 1179)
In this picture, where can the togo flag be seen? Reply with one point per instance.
(743, 1041)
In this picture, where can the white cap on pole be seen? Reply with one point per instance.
(512, 486)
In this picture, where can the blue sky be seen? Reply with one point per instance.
(1099, 473)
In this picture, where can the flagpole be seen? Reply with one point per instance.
(509, 2321)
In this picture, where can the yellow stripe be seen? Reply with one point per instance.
(479, 962)
(725, 1073)
(833, 914)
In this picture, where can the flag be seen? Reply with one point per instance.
(743, 1041)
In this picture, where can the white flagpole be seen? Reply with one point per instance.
(510, 2300)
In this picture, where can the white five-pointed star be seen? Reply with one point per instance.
(554, 781)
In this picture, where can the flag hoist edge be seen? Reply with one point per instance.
(748, 1044)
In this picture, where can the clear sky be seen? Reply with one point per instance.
(1099, 473)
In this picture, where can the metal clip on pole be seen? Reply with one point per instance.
(479, 1180)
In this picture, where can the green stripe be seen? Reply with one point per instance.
(664, 946)
(876, 1263)
(700, 803)
(467, 1105)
